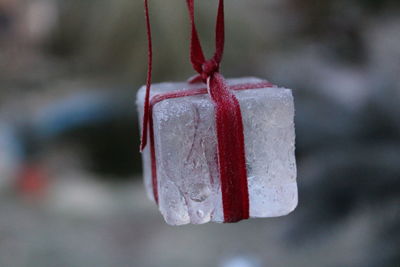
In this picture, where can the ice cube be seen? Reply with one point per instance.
(189, 188)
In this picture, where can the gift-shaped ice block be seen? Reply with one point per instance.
(185, 153)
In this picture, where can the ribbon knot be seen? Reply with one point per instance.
(209, 68)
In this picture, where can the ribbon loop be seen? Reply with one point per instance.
(206, 68)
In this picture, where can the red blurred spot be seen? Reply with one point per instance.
(32, 181)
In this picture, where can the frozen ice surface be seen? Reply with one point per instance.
(186, 153)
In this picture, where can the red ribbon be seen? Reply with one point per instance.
(229, 123)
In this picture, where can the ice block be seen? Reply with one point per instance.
(185, 141)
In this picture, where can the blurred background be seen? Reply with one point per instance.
(70, 173)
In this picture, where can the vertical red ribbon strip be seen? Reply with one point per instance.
(229, 123)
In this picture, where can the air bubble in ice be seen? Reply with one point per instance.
(200, 213)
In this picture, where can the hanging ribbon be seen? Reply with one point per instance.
(143, 142)
(228, 116)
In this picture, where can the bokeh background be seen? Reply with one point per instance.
(70, 173)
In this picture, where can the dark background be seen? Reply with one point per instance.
(70, 172)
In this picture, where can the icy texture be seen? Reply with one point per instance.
(185, 141)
